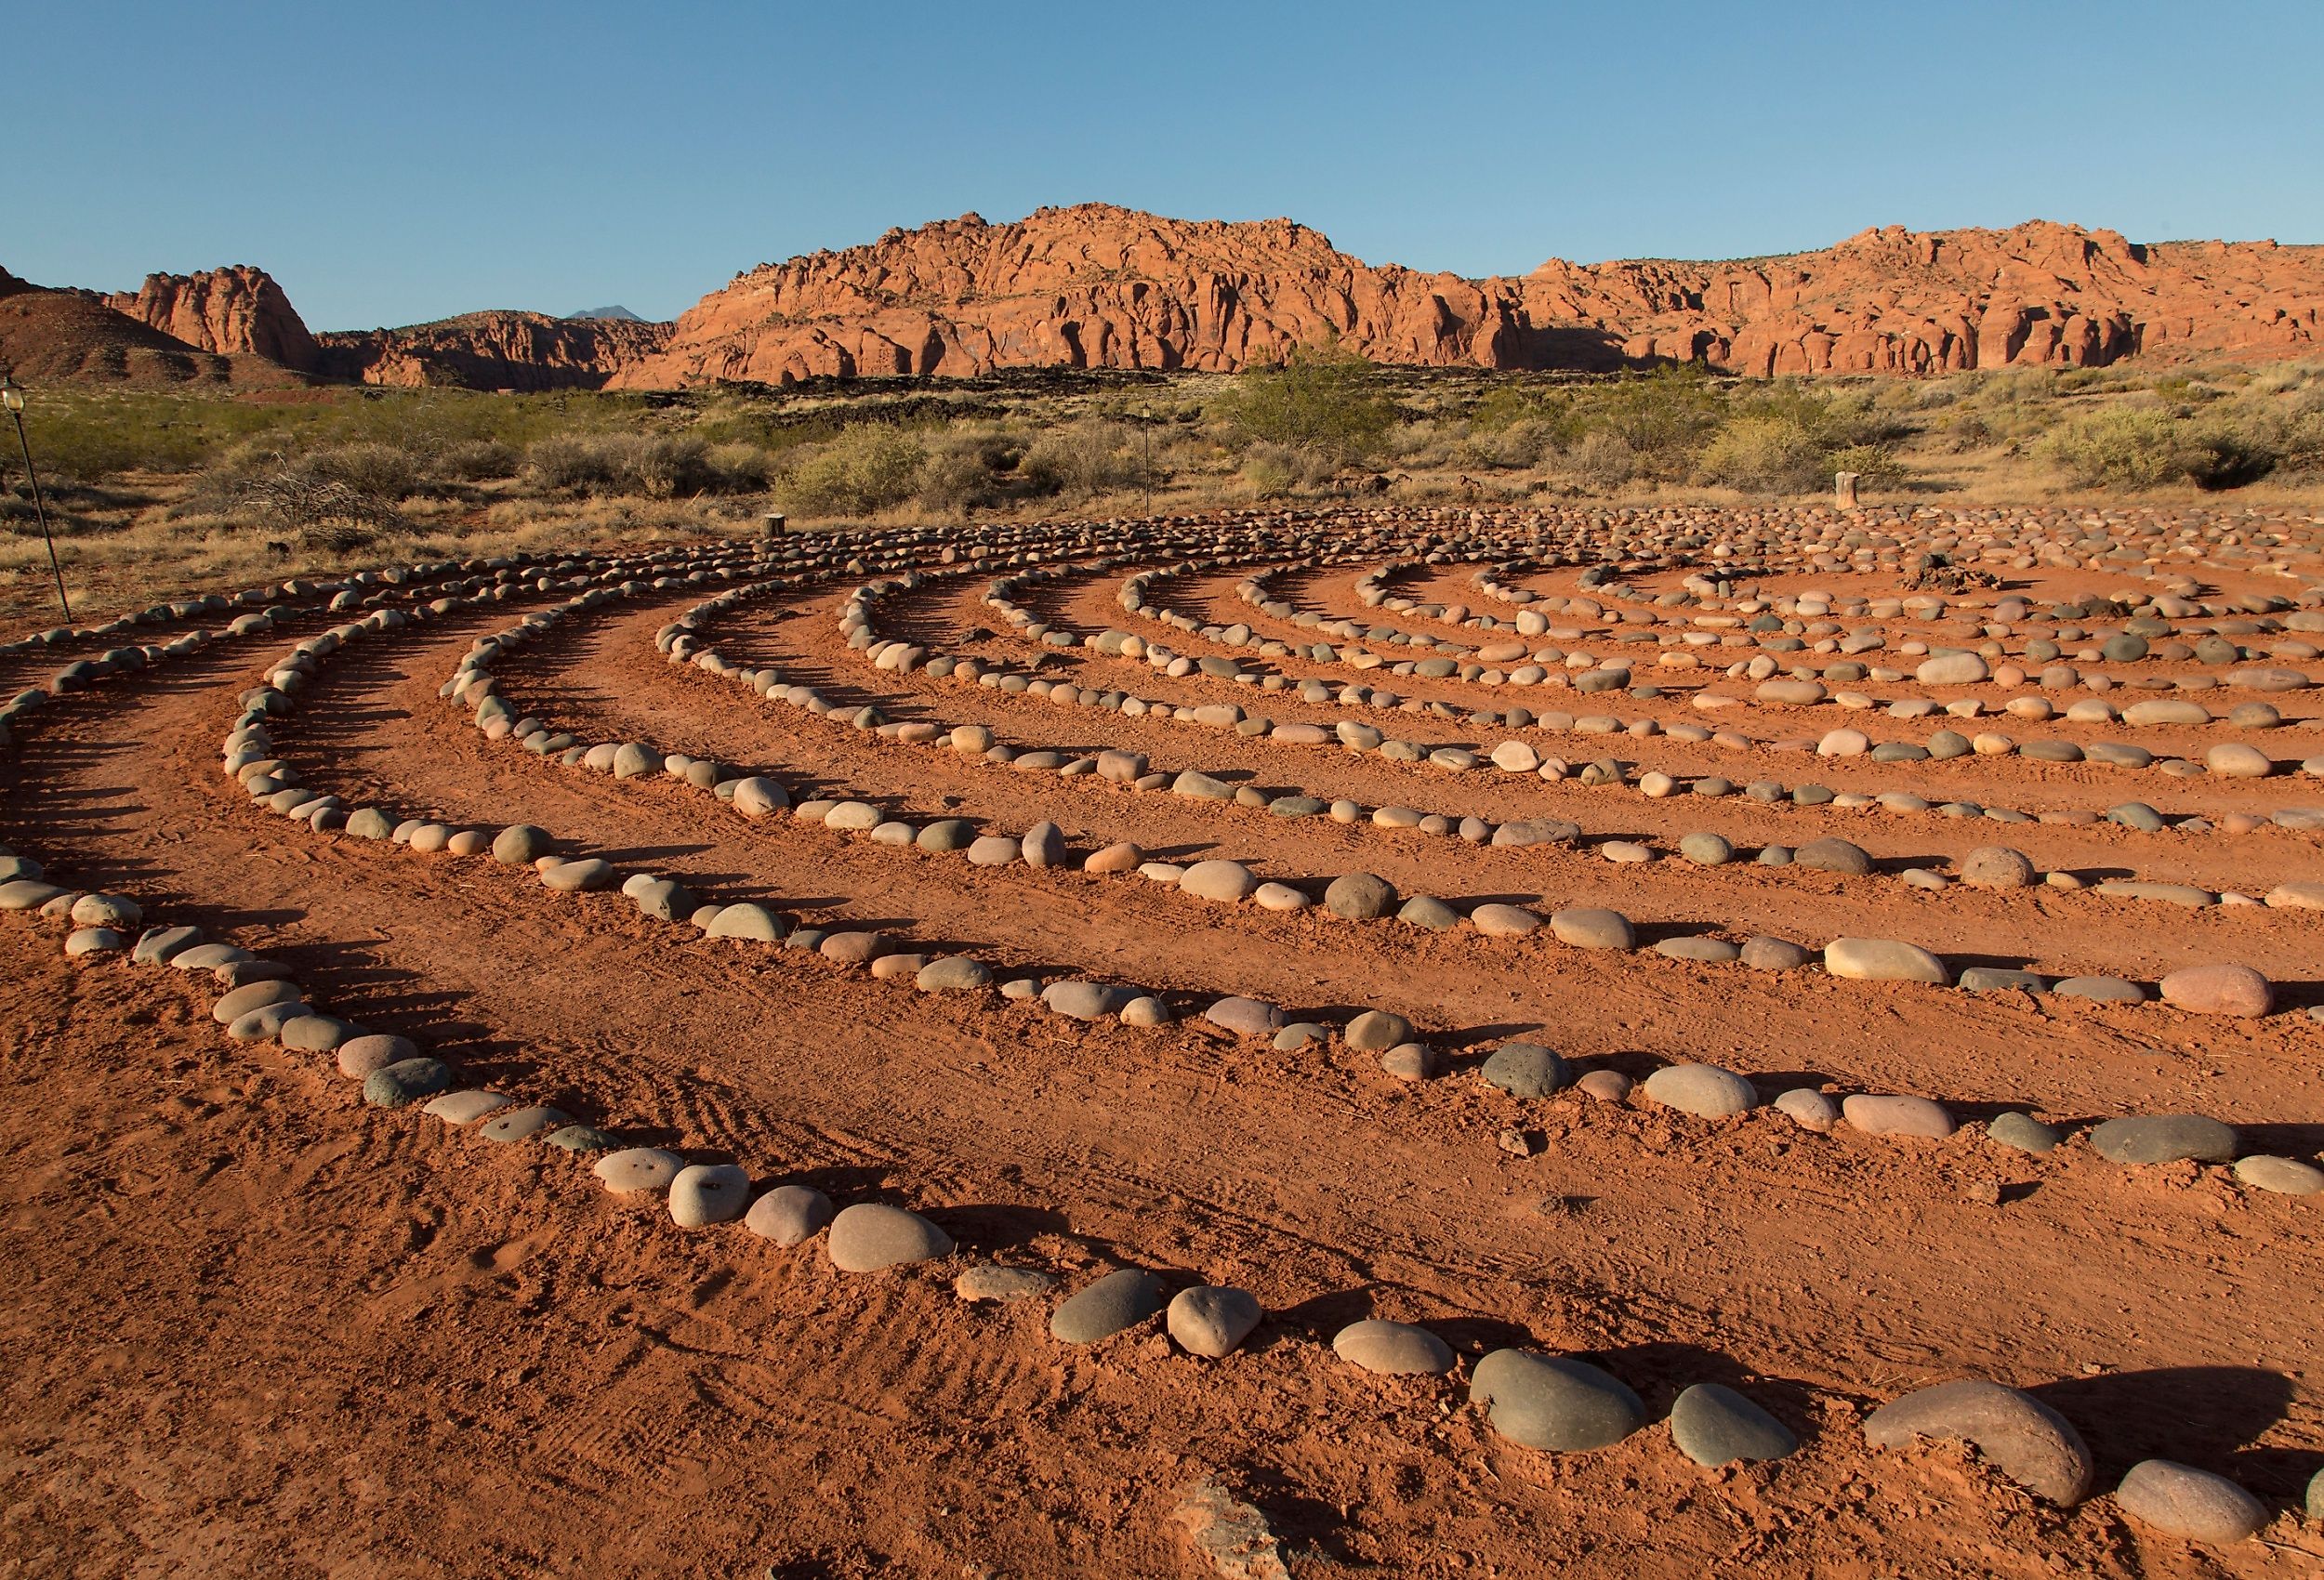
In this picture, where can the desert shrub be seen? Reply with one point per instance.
(1323, 399)
(1764, 453)
(1523, 442)
(1655, 424)
(568, 463)
(1084, 459)
(1275, 470)
(645, 465)
(1877, 465)
(869, 467)
(477, 460)
(969, 467)
(380, 471)
(1602, 459)
(2124, 447)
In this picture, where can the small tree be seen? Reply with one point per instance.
(1323, 399)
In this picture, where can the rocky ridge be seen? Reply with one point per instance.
(1096, 285)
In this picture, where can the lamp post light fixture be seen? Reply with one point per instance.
(12, 398)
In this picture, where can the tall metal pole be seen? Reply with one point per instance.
(13, 398)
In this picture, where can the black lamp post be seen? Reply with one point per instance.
(13, 398)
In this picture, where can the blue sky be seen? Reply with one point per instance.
(391, 162)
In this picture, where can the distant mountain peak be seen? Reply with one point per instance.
(624, 314)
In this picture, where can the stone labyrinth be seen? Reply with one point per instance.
(1776, 988)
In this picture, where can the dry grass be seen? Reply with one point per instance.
(153, 494)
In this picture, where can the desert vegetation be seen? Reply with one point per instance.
(303, 480)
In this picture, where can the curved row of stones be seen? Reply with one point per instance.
(1513, 756)
(1704, 848)
(2223, 988)
(1555, 1404)
(1525, 1070)
(1511, 664)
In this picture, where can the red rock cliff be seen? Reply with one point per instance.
(235, 311)
(495, 351)
(1100, 286)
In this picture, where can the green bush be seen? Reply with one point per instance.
(479, 460)
(869, 467)
(2134, 447)
(1764, 454)
(1322, 400)
(1085, 459)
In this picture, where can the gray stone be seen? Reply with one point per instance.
(1883, 960)
(2286, 1176)
(1392, 1349)
(1555, 1403)
(1084, 1000)
(1833, 855)
(1995, 866)
(1374, 1031)
(1704, 1091)
(357, 1057)
(954, 973)
(1809, 1109)
(1044, 846)
(1898, 1116)
(1713, 1424)
(407, 1080)
(2104, 990)
(1245, 1017)
(1427, 911)
(2181, 1501)
(1227, 882)
(1120, 1299)
(1525, 1070)
(1764, 954)
(158, 945)
(788, 1215)
(519, 845)
(1592, 928)
(2022, 1132)
(872, 1236)
(746, 922)
(989, 1282)
(1707, 850)
(1360, 897)
(1211, 1319)
(521, 1124)
(582, 877)
(317, 1033)
(2017, 1434)
(1996, 978)
(256, 996)
(95, 940)
(2164, 1138)
(1412, 1061)
(705, 1193)
(638, 1170)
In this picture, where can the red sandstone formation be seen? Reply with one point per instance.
(1100, 286)
(495, 351)
(49, 336)
(237, 310)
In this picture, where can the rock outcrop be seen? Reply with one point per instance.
(495, 351)
(1100, 286)
(237, 310)
(62, 336)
